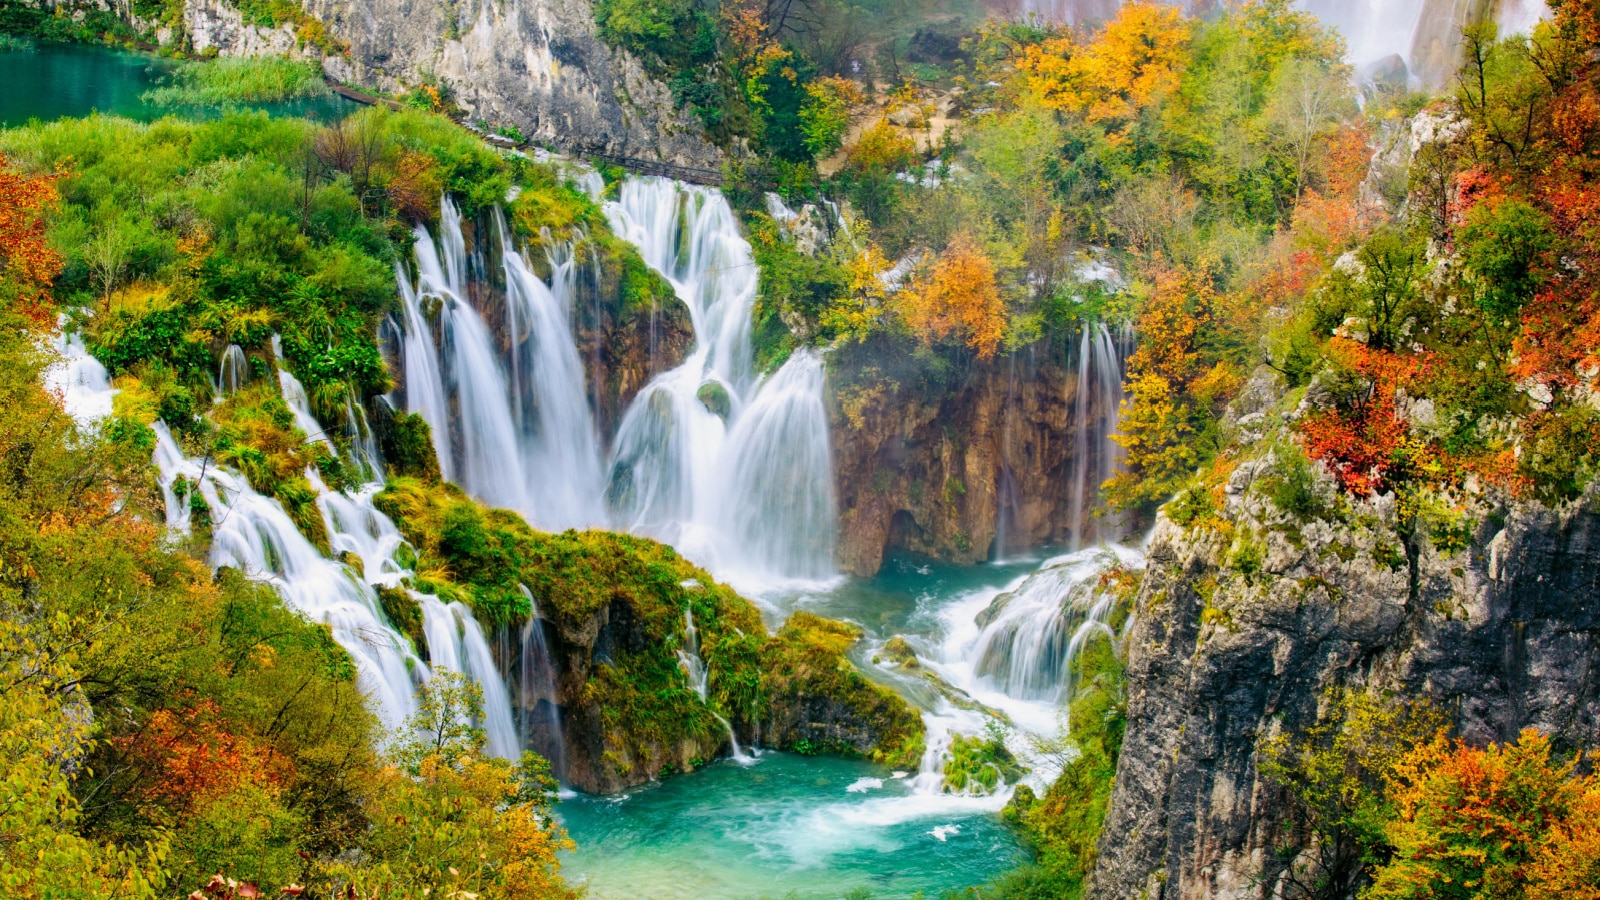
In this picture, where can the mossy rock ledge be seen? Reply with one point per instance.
(611, 610)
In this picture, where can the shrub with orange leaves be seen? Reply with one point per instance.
(1502, 821)
(27, 262)
(189, 758)
(957, 297)
(1126, 68)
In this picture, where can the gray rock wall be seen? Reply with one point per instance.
(536, 64)
(1503, 635)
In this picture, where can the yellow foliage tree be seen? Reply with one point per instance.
(1129, 66)
(957, 297)
(1172, 390)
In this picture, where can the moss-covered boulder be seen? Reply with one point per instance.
(613, 611)
(819, 702)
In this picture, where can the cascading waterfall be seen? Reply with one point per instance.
(253, 534)
(1097, 406)
(524, 436)
(694, 669)
(560, 449)
(734, 470)
(82, 383)
(424, 383)
(1029, 636)
(779, 507)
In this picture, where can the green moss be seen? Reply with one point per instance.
(406, 442)
(899, 652)
(807, 658)
(977, 765)
(714, 396)
(405, 613)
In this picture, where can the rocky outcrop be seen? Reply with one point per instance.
(963, 468)
(1247, 617)
(537, 65)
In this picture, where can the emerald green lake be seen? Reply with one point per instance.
(788, 827)
(54, 81)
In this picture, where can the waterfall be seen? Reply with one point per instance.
(355, 526)
(294, 394)
(537, 687)
(777, 506)
(1097, 405)
(424, 384)
(548, 397)
(514, 429)
(734, 470)
(80, 381)
(233, 371)
(456, 642)
(253, 534)
(694, 669)
(1030, 635)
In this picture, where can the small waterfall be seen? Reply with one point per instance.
(778, 505)
(253, 534)
(456, 642)
(1029, 636)
(694, 669)
(355, 526)
(1097, 405)
(81, 382)
(294, 394)
(234, 370)
(537, 687)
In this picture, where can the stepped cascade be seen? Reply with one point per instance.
(732, 468)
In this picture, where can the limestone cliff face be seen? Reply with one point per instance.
(984, 462)
(536, 64)
(1242, 623)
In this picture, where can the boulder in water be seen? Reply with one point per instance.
(714, 397)
(899, 652)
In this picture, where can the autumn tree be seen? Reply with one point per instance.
(1505, 820)
(28, 264)
(957, 297)
(1175, 387)
(1133, 63)
(1335, 773)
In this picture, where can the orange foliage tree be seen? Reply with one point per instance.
(1362, 439)
(1504, 821)
(1129, 66)
(27, 263)
(1174, 387)
(957, 297)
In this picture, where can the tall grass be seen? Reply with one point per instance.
(238, 80)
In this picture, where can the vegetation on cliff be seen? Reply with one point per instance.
(1394, 810)
(644, 592)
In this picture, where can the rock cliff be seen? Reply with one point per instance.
(963, 466)
(537, 65)
(1250, 612)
